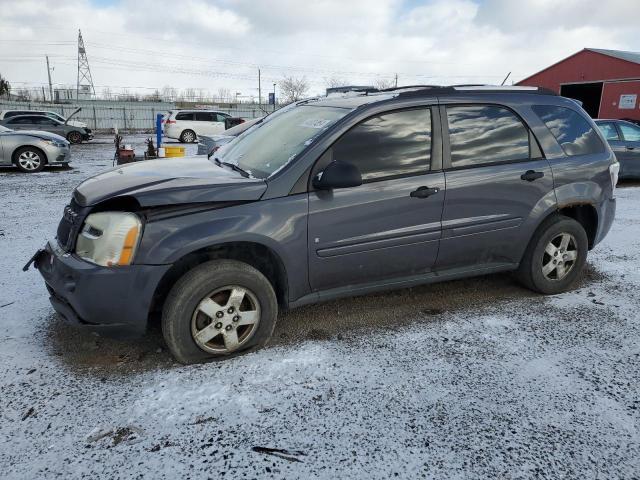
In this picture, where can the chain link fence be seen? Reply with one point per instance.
(128, 116)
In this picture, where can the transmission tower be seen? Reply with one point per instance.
(85, 81)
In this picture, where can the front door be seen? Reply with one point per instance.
(389, 227)
(495, 177)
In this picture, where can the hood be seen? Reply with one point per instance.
(39, 134)
(77, 124)
(170, 181)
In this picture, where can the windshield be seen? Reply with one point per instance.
(274, 143)
(55, 116)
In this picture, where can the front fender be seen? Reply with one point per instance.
(279, 224)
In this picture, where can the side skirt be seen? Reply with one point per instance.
(402, 282)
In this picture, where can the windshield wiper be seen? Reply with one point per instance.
(233, 166)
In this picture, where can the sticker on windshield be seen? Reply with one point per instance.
(315, 123)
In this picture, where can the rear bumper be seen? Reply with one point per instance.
(88, 294)
(606, 215)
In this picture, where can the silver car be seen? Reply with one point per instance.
(30, 151)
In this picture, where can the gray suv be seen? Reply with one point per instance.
(336, 197)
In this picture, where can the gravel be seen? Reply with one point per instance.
(477, 378)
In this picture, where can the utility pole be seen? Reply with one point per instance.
(50, 85)
(259, 90)
(396, 80)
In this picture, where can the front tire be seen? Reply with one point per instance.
(74, 137)
(29, 159)
(555, 257)
(218, 309)
(188, 136)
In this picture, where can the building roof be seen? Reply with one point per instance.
(633, 57)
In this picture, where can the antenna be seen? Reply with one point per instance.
(85, 81)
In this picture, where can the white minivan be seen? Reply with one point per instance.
(186, 125)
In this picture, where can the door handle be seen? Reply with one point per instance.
(424, 192)
(630, 148)
(531, 175)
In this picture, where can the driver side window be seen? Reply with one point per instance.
(388, 145)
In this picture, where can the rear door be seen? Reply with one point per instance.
(22, 123)
(495, 177)
(631, 149)
(388, 227)
(50, 125)
(207, 123)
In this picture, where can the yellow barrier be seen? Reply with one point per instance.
(171, 151)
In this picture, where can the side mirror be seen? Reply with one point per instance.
(338, 175)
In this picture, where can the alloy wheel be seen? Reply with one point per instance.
(560, 256)
(29, 160)
(225, 319)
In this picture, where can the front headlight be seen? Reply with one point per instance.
(57, 143)
(109, 238)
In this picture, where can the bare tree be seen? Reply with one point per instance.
(106, 93)
(293, 89)
(381, 83)
(169, 93)
(224, 95)
(335, 81)
(5, 87)
(189, 95)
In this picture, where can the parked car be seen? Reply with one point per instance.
(336, 197)
(31, 151)
(5, 114)
(207, 145)
(186, 125)
(42, 123)
(624, 138)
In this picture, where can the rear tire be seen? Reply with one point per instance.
(188, 136)
(555, 257)
(29, 159)
(74, 137)
(219, 309)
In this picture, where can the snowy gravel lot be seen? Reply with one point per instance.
(469, 379)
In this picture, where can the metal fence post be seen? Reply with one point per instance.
(95, 119)
(124, 116)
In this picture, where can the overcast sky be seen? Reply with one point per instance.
(212, 44)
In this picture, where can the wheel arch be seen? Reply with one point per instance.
(14, 154)
(258, 255)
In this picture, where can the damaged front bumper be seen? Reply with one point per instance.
(88, 294)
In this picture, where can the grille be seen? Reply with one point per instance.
(69, 226)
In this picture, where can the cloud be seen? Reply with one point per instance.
(208, 44)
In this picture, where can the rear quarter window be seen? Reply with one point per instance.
(570, 129)
(184, 116)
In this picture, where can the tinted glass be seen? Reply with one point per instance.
(481, 134)
(608, 130)
(572, 131)
(205, 117)
(631, 133)
(388, 145)
(184, 116)
(13, 114)
(21, 120)
(45, 121)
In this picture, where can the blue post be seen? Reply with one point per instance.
(158, 130)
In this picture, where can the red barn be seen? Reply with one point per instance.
(607, 82)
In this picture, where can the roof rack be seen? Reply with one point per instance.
(452, 89)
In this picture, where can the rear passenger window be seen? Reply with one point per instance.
(608, 130)
(184, 116)
(630, 132)
(572, 131)
(486, 134)
(389, 145)
(205, 117)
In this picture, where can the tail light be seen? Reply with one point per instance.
(169, 121)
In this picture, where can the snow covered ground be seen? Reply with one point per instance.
(470, 379)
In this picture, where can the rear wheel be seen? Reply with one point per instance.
(188, 136)
(74, 137)
(555, 256)
(218, 309)
(29, 159)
